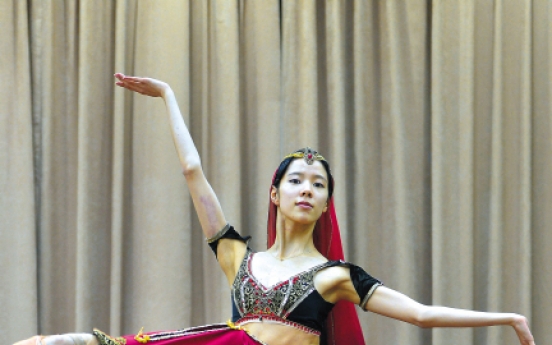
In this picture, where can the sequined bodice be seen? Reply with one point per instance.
(253, 299)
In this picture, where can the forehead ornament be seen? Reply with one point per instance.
(308, 154)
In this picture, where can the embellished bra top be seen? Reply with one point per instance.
(294, 301)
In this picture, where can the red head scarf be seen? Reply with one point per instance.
(342, 325)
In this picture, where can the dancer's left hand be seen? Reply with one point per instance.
(521, 326)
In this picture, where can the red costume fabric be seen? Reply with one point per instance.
(217, 334)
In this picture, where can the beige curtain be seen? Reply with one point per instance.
(435, 117)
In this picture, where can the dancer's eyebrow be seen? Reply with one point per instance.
(300, 174)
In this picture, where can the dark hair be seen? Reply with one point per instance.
(284, 165)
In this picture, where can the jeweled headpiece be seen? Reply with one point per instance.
(308, 154)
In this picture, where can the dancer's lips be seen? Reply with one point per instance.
(304, 204)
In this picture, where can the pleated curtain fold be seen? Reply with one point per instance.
(434, 116)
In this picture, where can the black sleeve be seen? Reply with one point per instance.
(229, 233)
(364, 284)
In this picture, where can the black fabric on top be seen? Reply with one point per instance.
(311, 312)
(362, 281)
(230, 234)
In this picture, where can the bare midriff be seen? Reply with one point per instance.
(279, 334)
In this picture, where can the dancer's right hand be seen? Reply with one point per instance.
(145, 86)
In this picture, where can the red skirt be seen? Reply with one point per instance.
(217, 334)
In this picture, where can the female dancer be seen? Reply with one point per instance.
(288, 294)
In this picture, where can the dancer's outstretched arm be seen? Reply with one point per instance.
(205, 201)
(393, 304)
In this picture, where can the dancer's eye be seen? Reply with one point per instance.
(294, 181)
(319, 185)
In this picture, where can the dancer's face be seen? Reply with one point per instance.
(303, 192)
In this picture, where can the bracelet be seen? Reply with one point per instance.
(368, 295)
(219, 234)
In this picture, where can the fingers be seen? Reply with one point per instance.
(525, 337)
(130, 83)
(133, 79)
(125, 78)
(131, 86)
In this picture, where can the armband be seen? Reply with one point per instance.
(219, 234)
(364, 284)
(226, 232)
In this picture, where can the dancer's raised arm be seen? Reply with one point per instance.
(204, 198)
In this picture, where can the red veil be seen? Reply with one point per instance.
(342, 325)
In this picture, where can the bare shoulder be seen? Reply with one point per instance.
(333, 275)
(334, 284)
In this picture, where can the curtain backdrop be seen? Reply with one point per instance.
(435, 117)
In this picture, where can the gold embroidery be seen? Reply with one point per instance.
(141, 338)
(107, 340)
(233, 325)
